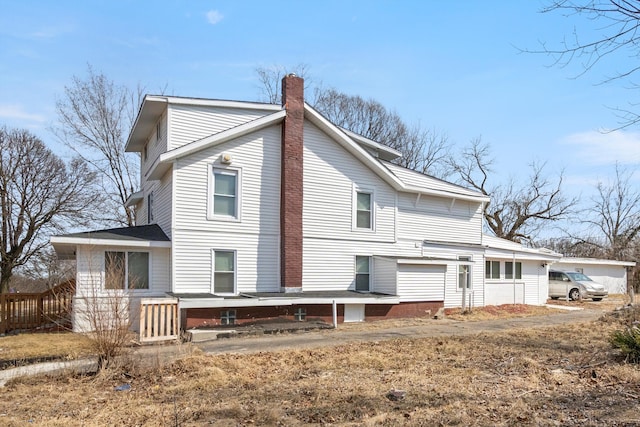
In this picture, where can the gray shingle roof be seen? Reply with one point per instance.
(141, 232)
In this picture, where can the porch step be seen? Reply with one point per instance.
(202, 335)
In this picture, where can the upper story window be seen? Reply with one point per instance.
(363, 210)
(224, 199)
(126, 270)
(150, 208)
(159, 130)
(492, 270)
(508, 270)
(363, 273)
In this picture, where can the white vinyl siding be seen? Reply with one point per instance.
(384, 277)
(154, 147)
(90, 275)
(421, 282)
(330, 175)
(532, 288)
(255, 239)
(439, 219)
(191, 123)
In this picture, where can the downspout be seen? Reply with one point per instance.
(335, 314)
(513, 275)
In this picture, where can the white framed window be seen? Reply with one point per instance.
(228, 317)
(224, 194)
(224, 272)
(363, 209)
(363, 273)
(508, 270)
(150, 208)
(300, 315)
(464, 272)
(126, 270)
(159, 131)
(492, 270)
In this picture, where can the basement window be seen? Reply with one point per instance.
(300, 315)
(228, 317)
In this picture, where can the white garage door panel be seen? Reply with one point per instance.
(421, 282)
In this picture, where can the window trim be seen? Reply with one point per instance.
(354, 209)
(510, 276)
(211, 188)
(465, 261)
(369, 273)
(126, 271)
(213, 272)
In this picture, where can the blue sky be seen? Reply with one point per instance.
(452, 66)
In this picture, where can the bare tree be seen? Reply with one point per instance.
(424, 150)
(615, 214)
(617, 34)
(95, 116)
(39, 194)
(516, 212)
(270, 79)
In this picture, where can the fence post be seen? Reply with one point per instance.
(3, 314)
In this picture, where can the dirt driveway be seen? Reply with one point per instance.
(427, 328)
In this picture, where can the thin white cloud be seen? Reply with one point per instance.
(51, 32)
(16, 112)
(600, 148)
(213, 16)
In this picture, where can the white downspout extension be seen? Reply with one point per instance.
(335, 315)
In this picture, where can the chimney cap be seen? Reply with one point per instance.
(291, 75)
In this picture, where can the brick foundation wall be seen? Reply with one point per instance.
(210, 317)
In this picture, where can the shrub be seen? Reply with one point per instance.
(628, 342)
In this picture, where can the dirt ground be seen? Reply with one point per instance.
(555, 376)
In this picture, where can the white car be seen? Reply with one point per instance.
(574, 285)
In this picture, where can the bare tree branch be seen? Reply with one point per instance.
(39, 194)
(516, 212)
(94, 119)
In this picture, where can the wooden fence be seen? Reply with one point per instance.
(30, 311)
(159, 319)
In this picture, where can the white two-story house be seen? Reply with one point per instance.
(251, 211)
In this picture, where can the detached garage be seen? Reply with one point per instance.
(612, 274)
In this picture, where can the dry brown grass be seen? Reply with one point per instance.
(63, 345)
(560, 376)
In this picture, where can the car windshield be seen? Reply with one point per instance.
(579, 277)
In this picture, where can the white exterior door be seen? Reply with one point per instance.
(353, 313)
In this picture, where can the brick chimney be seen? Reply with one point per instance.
(291, 185)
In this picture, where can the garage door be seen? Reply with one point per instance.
(421, 282)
